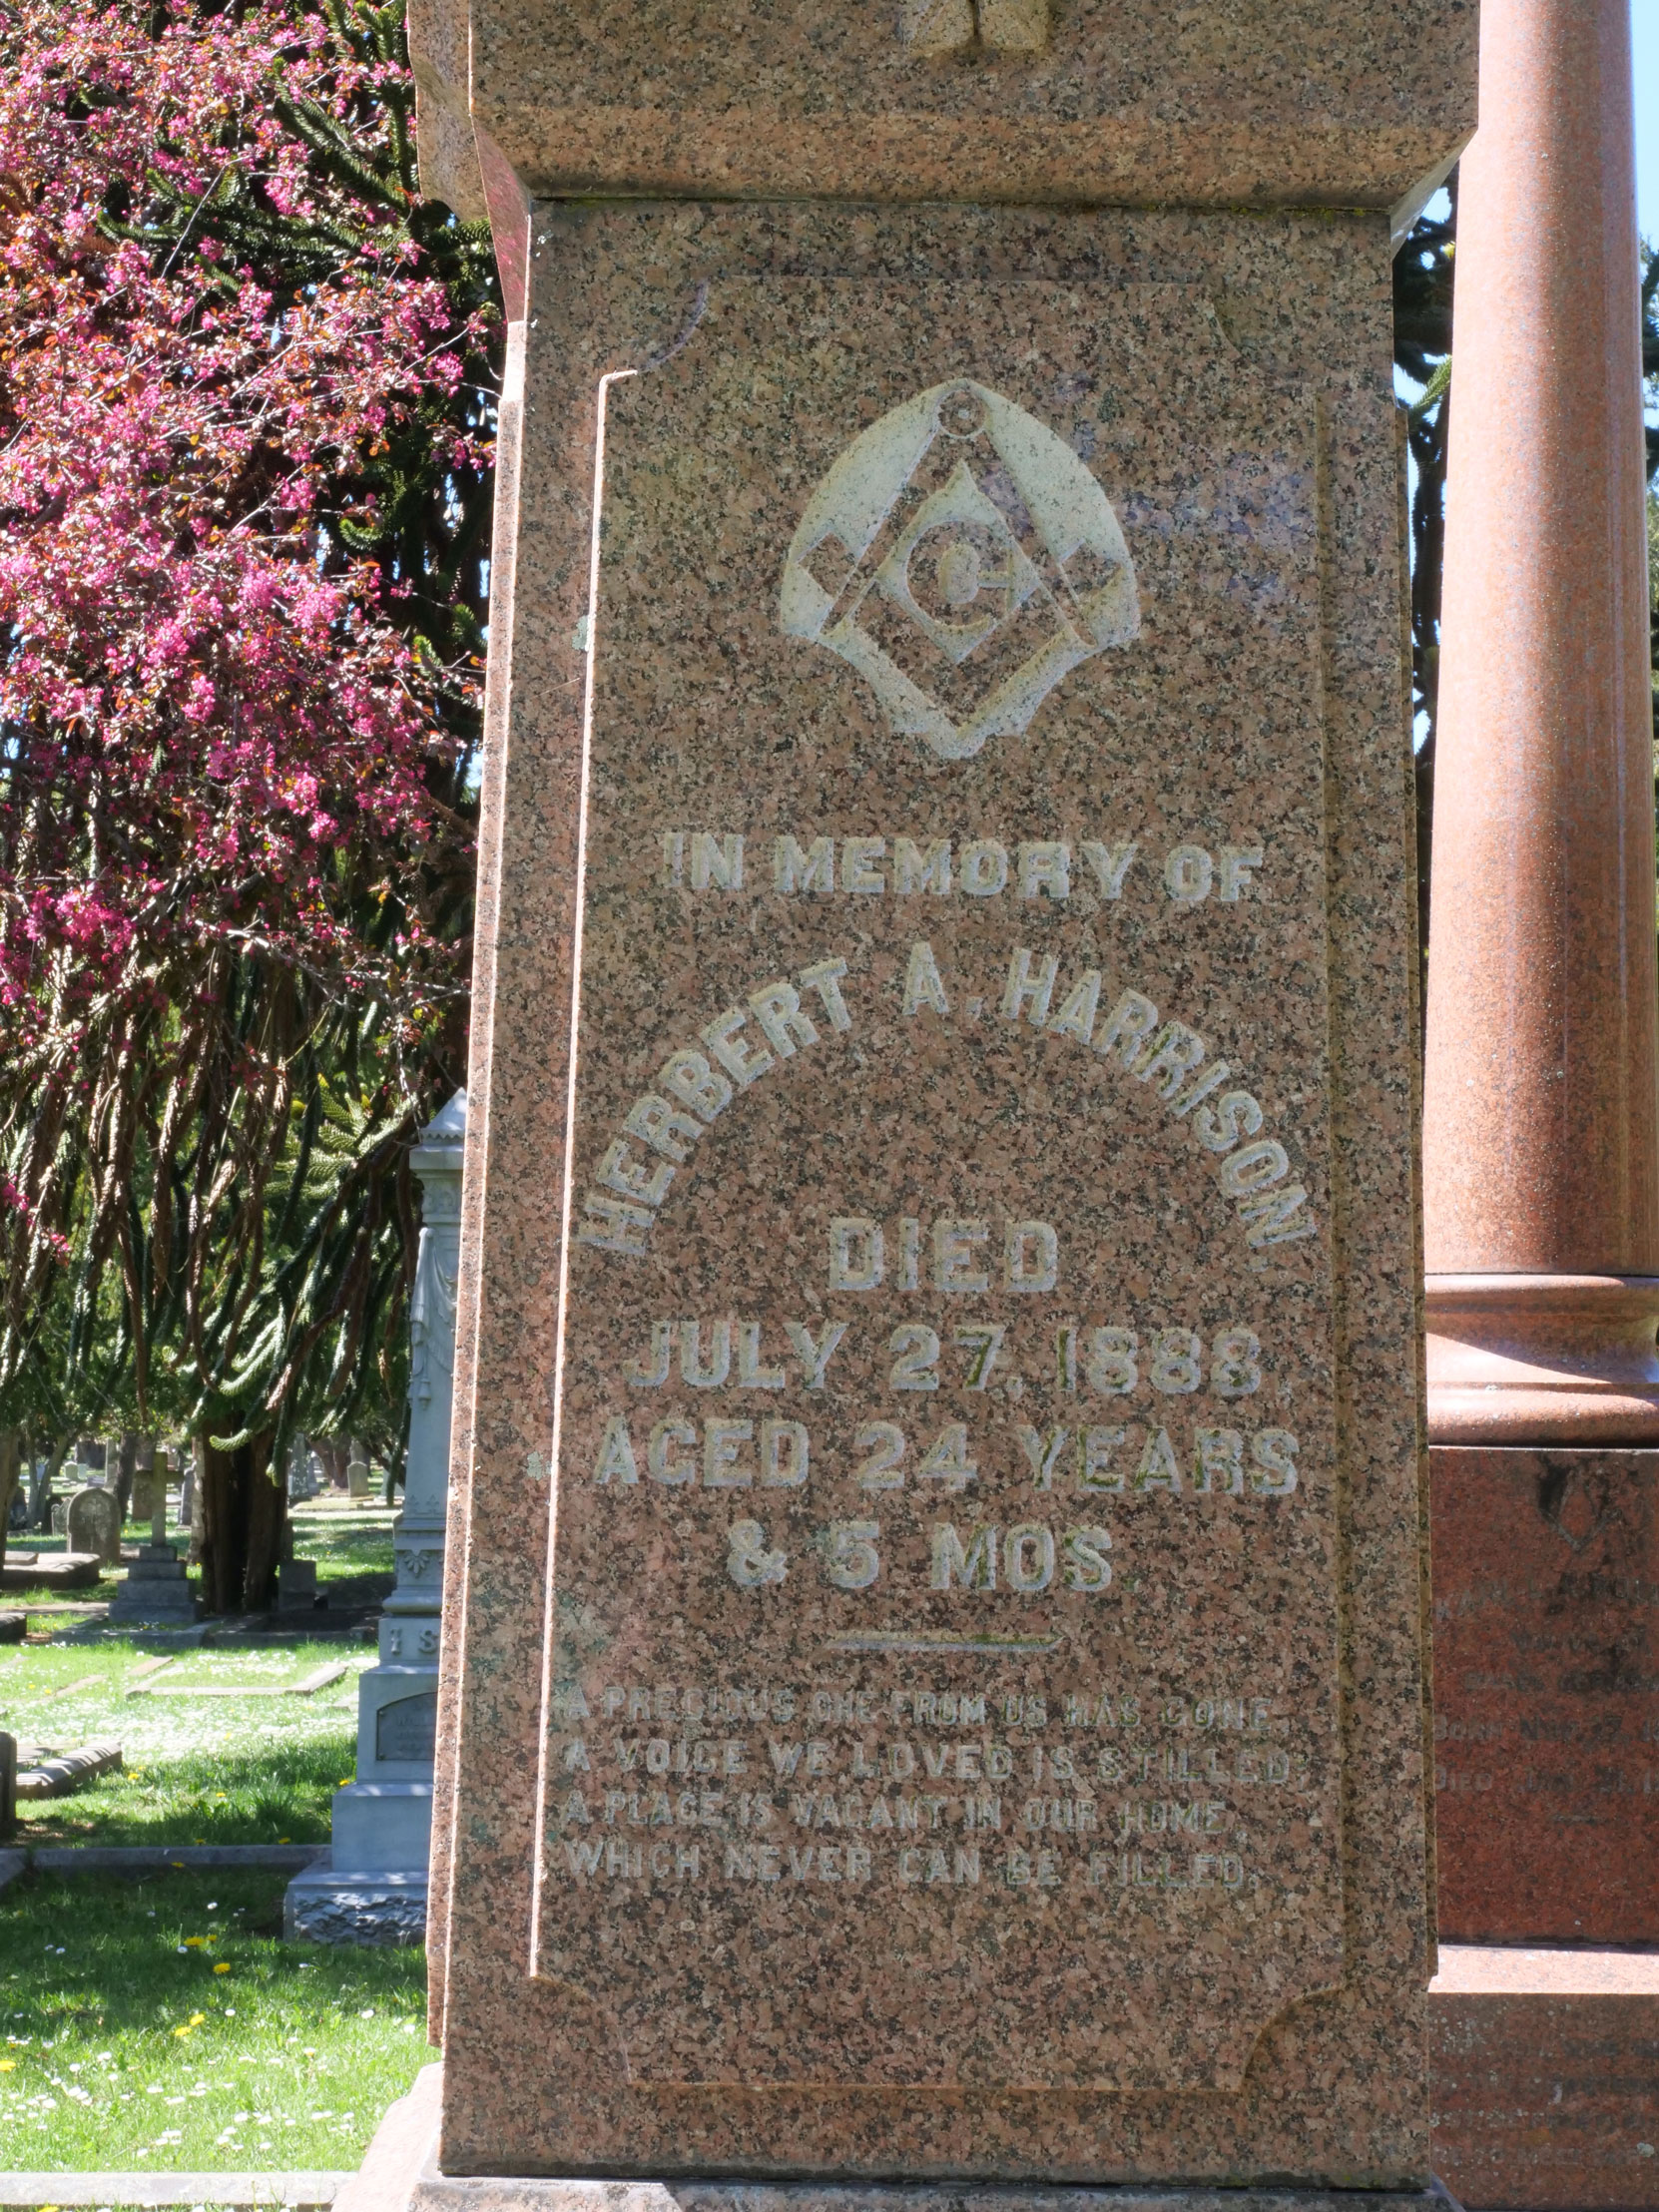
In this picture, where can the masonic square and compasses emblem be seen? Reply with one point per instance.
(963, 560)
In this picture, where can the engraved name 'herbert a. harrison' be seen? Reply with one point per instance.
(943, 1428)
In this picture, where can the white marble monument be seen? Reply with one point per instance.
(374, 1891)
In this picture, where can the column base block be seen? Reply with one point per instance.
(1546, 1694)
(1545, 2073)
(1522, 1359)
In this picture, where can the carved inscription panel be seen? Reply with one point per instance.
(942, 1627)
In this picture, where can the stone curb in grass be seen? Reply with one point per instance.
(147, 1858)
(298, 2192)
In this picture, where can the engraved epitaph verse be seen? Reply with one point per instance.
(945, 1516)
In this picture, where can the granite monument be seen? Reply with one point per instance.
(934, 1679)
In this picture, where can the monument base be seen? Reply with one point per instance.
(155, 1592)
(375, 1889)
(400, 2173)
(321, 1906)
(1545, 2073)
(382, 1825)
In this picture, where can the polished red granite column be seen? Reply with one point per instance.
(1541, 1113)
(1541, 1108)
(1541, 1151)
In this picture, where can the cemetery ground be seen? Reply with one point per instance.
(158, 2022)
(351, 1540)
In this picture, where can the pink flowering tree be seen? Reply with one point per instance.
(245, 420)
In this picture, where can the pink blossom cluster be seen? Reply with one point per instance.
(212, 730)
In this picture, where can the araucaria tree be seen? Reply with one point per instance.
(245, 420)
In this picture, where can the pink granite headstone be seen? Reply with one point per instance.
(933, 1682)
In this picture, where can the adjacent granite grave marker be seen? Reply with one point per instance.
(1541, 1136)
(934, 1683)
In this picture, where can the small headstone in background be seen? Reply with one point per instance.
(156, 1588)
(295, 1585)
(358, 1479)
(373, 1889)
(60, 1516)
(92, 1523)
(303, 1482)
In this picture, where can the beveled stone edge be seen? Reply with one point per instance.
(1593, 1972)
(925, 157)
(400, 2173)
(433, 2191)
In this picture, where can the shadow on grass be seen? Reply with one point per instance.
(121, 1965)
(40, 1596)
(275, 1792)
(169, 2002)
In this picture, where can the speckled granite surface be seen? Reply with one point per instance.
(818, 1805)
(1083, 1340)
(1219, 102)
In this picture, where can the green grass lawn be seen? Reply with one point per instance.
(351, 1544)
(216, 1770)
(163, 2024)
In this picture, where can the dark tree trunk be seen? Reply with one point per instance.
(127, 1461)
(11, 1452)
(39, 1489)
(244, 1517)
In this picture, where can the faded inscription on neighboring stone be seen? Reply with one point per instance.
(1546, 1693)
(407, 1728)
(946, 1518)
